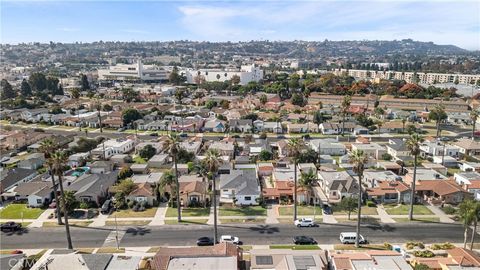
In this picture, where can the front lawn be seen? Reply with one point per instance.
(419, 219)
(139, 160)
(403, 210)
(368, 211)
(188, 212)
(127, 222)
(243, 211)
(301, 210)
(127, 213)
(14, 211)
(249, 220)
(186, 222)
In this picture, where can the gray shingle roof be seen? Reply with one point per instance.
(244, 182)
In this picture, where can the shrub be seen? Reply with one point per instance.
(442, 246)
(412, 245)
(371, 204)
(84, 205)
(387, 245)
(131, 204)
(423, 253)
(449, 210)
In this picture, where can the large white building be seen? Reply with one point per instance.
(133, 72)
(247, 74)
(113, 147)
(410, 77)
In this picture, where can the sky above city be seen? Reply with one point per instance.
(443, 22)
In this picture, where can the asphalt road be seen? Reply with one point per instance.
(179, 235)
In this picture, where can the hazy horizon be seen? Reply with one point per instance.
(441, 22)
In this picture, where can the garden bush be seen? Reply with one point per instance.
(423, 253)
(442, 246)
(449, 210)
(371, 204)
(412, 245)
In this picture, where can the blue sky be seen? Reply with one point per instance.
(443, 22)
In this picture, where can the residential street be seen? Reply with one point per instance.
(178, 235)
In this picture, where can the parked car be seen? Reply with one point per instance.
(305, 222)
(304, 240)
(183, 135)
(327, 209)
(106, 207)
(154, 134)
(230, 239)
(53, 204)
(10, 226)
(205, 241)
(350, 237)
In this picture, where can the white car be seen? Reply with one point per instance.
(230, 239)
(305, 222)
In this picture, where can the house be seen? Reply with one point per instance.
(100, 166)
(151, 178)
(193, 192)
(457, 258)
(373, 150)
(371, 177)
(468, 147)
(470, 166)
(331, 128)
(435, 148)
(373, 259)
(37, 193)
(113, 120)
(447, 161)
(441, 191)
(158, 161)
(423, 174)
(192, 146)
(273, 127)
(113, 146)
(389, 192)
(89, 262)
(328, 147)
(13, 177)
(336, 185)
(240, 187)
(241, 125)
(32, 161)
(227, 255)
(34, 115)
(302, 128)
(158, 146)
(143, 192)
(437, 167)
(288, 259)
(224, 147)
(397, 148)
(466, 178)
(214, 125)
(139, 168)
(78, 159)
(91, 187)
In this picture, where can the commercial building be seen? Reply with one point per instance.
(247, 74)
(133, 73)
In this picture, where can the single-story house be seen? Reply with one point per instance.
(143, 192)
(240, 187)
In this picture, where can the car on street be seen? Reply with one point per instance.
(305, 222)
(10, 226)
(106, 207)
(350, 238)
(230, 239)
(304, 240)
(205, 241)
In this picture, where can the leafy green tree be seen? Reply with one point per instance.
(308, 156)
(386, 156)
(468, 212)
(168, 180)
(75, 93)
(147, 152)
(184, 156)
(71, 202)
(7, 90)
(251, 116)
(421, 266)
(263, 99)
(299, 100)
(438, 114)
(265, 155)
(130, 115)
(210, 104)
(52, 85)
(129, 95)
(84, 83)
(107, 108)
(318, 117)
(125, 172)
(38, 81)
(25, 89)
(235, 80)
(175, 77)
(348, 204)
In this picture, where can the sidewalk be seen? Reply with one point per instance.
(384, 216)
(272, 214)
(444, 218)
(99, 221)
(211, 217)
(37, 223)
(159, 218)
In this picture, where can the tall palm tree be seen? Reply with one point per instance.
(58, 160)
(307, 180)
(438, 114)
(476, 216)
(172, 147)
(47, 147)
(413, 145)
(358, 159)
(347, 100)
(474, 116)
(467, 212)
(294, 148)
(213, 161)
(404, 120)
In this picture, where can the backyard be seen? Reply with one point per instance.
(243, 211)
(14, 211)
(403, 210)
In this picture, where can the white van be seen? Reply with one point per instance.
(350, 237)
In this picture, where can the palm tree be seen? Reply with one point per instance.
(467, 211)
(404, 120)
(413, 144)
(474, 115)
(172, 147)
(294, 146)
(476, 216)
(358, 159)
(58, 160)
(47, 147)
(438, 114)
(347, 100)
(307, 180)
(213, 161)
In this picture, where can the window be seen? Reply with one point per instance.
(39, 201)
(248, 198)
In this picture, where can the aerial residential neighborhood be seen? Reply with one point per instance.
(227, 135)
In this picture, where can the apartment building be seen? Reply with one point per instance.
(133, 73)
(249, 73)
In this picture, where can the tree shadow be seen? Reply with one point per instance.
(22, 231)
(264, 229)
(138, 231)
